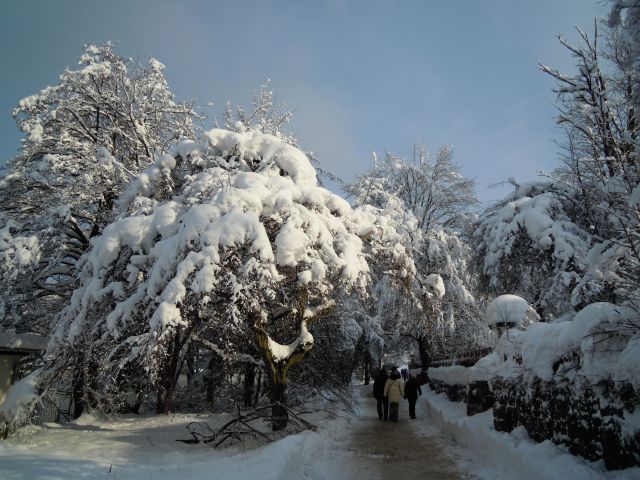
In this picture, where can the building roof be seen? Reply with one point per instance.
(22, 342)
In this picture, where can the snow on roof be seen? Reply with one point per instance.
(22, 341)
(510, 309)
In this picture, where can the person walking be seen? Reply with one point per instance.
(411, 392)
(378, 392)
(394, 389)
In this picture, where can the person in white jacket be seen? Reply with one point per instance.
(394, 389)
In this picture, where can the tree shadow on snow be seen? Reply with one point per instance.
(22, 467)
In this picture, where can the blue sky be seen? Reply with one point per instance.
(360, 75)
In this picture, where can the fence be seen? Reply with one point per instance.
(466, 359)
(54, 407)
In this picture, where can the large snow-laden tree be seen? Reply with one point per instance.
(599, 109)
(85, 137)
(430, 201)
(573, 240)
(231, 246)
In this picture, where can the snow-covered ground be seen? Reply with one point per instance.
(355, 445)
(495, 455)
(145, 447)
(443, 442)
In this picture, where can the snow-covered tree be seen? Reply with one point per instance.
(430, 201)
(570, 244)
(573, 240)
(85, 137)
(229, 245)
(266, 115)
(528, 244)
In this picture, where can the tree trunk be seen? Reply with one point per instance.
(258, 388)
(367, 367)
(276, 368)
(249, 382)
(169, 376)
(278, 387)
(425, 356)
(212, 377)
(77, 389)
(138, 403)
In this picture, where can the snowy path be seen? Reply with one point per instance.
(374, 449)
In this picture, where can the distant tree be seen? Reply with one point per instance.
(431, 202)
(266, 115)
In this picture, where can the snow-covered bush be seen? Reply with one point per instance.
(598, 343)
(18, 403)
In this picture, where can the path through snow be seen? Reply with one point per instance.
(373, 449)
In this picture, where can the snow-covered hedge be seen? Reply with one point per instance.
(575, 381)
(605, 339)
(458, 375)
(506, 456)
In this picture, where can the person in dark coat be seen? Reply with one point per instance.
(411, 392)
(378, 393)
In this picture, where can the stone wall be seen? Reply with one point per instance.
(455, 393)
(596, 421)
(590, 420)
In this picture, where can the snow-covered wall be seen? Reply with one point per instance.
(575, 381)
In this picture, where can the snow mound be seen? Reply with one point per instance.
(510, 310)
(604, 336)
(20, 395)
(601, 333)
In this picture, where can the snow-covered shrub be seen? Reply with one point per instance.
(598, 343)
(18, 404)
